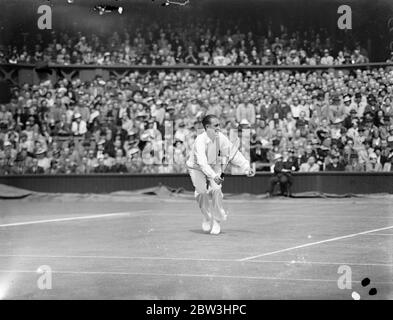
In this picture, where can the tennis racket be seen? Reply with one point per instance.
(231, 155)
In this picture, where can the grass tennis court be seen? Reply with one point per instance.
(146, 247)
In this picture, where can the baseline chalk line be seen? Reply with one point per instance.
(95, 216)
(150, 274)
(315, 243)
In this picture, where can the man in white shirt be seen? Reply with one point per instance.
(327, 59)
(309, 166)
(296, 107)
(204, 165)
(78, 126)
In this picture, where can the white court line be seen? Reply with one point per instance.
(96, 216)
(150, 274)
(114, 258)
(323, 263)
(189, 259)
(315, 243)
(278, 215)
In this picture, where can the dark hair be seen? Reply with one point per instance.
(207, 119)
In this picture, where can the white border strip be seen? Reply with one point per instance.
(315, 243)
(305, 262)
(150, 274)
(96, 216)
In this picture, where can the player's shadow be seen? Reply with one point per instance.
(202, 232)
(228, 231)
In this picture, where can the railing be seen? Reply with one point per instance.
(18, 74)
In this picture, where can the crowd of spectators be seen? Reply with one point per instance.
(198, 44)
(147, 122)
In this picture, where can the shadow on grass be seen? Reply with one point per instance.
(227, 231)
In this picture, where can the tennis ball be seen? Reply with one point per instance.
(355, 295)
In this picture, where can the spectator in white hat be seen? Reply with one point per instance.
(43, 160)
(78, 126)
(327, 59)
(373, 165)
(347, 101)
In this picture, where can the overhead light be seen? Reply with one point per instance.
(120, 10)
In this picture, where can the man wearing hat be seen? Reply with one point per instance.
(158, 112)
(280, 176)
(182, 132)
(101, 167)
(373, 165)
(372, 105)
(359, 104)
(22, 161)
(134, 162)
(335, 110)
(347, 101)
(8, 156)
(152, 130)
(35, 168)
(388, 166)
(43, 161)
(78, 126)
(335, 164)
(258, 156)
(205, 167)
(327, 59)
(92, 161)
(170, 114)
(335, 132)
(347, 123)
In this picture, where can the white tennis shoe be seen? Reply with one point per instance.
(206, 223)
(216, 229)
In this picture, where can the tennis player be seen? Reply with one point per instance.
(210, 150)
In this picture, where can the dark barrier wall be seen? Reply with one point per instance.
(327, 182)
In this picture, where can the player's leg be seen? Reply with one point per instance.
(217, 209)
(199, 181)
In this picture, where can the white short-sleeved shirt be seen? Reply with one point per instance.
(207, 155)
